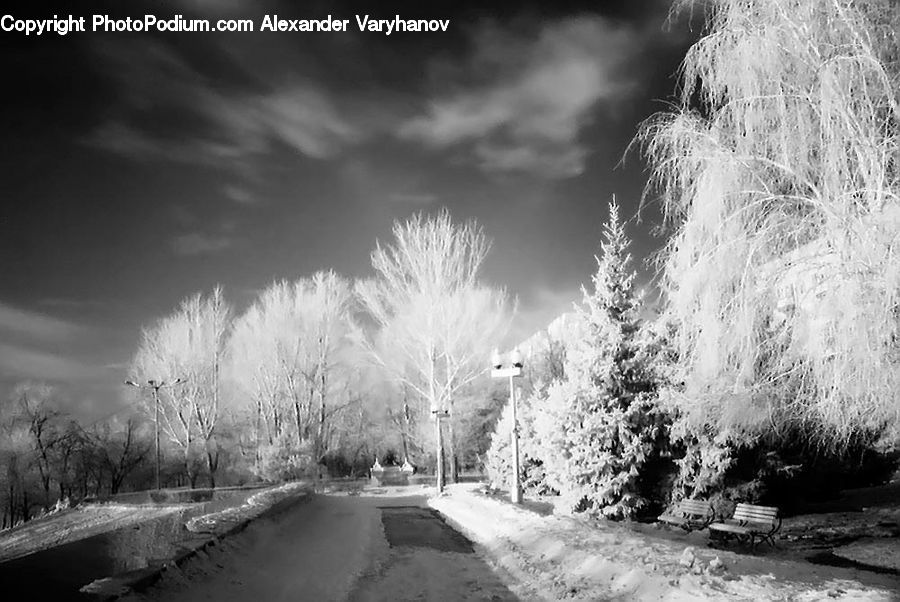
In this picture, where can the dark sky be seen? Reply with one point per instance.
(139, 168)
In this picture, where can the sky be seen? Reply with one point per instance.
(139, 168)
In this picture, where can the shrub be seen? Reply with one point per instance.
(286, 460)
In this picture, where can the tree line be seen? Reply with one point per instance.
(318, 376)
(771, 368)
(322, 372)
(49, 457)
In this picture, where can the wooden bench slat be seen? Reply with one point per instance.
(728, 527)
(689, 514)
(757, 511)
(763, 512)
(751, 521)
(754, 517)
(751, 507)
(759, 519)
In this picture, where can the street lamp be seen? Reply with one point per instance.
(439, 465)
(514, 370)
(155, 386)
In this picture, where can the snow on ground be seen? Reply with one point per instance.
(558, 557)
(77, 523)
(92, 519)
(220, 522)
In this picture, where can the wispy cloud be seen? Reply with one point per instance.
(381, 182)
(532, 96)
(413, 198)
(199, 243)
(20, 362)
(169, 110)
(15, 322)
(240, 195)
(32, 344)
(305, 119)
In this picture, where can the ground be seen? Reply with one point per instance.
(78, 523)
(64, 551)
(408, 543)
(554, 557)
(385, 544)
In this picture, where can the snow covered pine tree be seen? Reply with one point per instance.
(602, 426)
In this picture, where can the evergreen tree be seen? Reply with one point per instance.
(600, 426)
(498, 457)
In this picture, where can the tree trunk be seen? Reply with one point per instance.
(439, 455)
(405, 447)
(451, 447)
(298, 421)
(212, 463)
(12, 505)
(320, 431)
(258, 418)
(188, 469)
(45, 483)
(404, 430)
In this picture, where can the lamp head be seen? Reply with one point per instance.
(496, 360)
(516, 358)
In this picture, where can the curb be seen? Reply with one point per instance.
(117, 586)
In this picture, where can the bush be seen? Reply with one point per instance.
(498, 458)
(286, 460)
(788, 471)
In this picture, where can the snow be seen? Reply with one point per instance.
(219, 522)
(79, 523)
(333, 547)
(559, 557)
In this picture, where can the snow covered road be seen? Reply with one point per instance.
(381, 545)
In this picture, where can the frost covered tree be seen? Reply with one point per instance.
(779, 174)
(600, 425)
(189, 345)
(498, 459)
(436, 321)
(292, 364)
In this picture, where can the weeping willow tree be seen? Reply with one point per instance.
(778, 175)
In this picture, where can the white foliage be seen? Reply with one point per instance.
(780, 173)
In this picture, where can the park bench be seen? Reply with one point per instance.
(689, 515)
(750, 523)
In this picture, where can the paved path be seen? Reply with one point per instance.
(339, 547)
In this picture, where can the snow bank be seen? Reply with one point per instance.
(555, 557)
(85, 521)
(218, 523)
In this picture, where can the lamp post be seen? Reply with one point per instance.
(514, 370)
(155, 386)
(439, 436)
